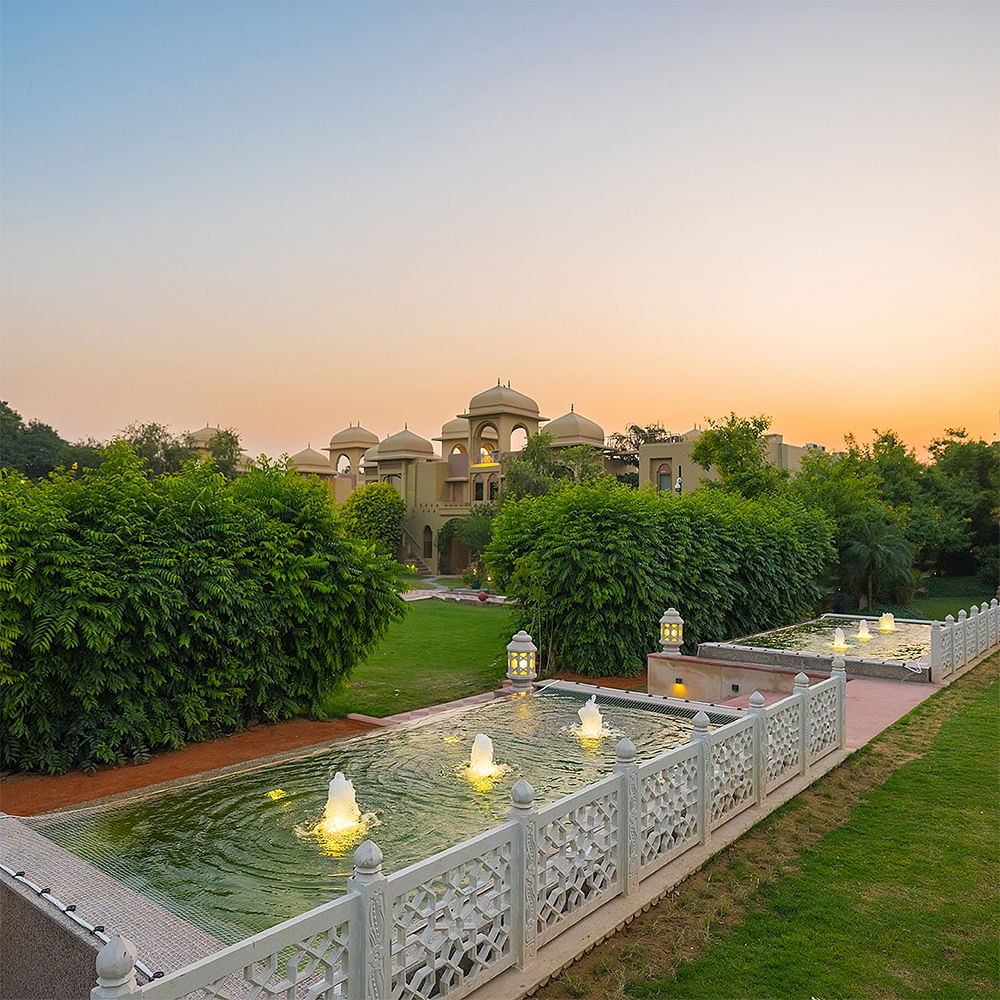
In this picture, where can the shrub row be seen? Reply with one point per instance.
(594, 566)
(141, 612)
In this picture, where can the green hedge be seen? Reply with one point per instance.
(139, 612)
(593, 567)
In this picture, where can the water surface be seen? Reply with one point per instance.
(233, 855)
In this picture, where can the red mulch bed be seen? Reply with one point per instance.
(30, 794)
(621, 683)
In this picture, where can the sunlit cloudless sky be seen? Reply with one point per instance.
(287, 217)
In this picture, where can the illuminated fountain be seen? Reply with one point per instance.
(863, 634)
(839, 642)
(238, 854)
(481, 767)
(342, 821)
(591, 722)
(886, 623)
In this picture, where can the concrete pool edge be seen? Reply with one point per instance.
(167, 942)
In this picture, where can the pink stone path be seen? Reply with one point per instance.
(872, 704)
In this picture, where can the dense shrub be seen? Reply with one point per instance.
(140, 612)
(594, 566)
(376, 513)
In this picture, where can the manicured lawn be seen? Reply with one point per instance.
(949, 595)
(879, 881)
(900, 901)
(936, 608)
(441, 651)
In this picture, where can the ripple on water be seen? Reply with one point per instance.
(229, 855)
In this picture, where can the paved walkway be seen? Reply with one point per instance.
(453, 595)
(872, 704)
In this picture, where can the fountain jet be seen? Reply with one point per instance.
(342, 815)
(591, 721)
(863, 634)
(886, 623)
(481, 759)
(839, 642)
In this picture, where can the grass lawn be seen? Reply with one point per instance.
(949, 595)
(441, 651)
(936, 608)
(881, 880)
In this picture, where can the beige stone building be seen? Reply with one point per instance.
(467, 468)
(667, 464)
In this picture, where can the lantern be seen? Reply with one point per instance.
(521, 661)
(671, 632)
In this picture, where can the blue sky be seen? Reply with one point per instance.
(287, 217)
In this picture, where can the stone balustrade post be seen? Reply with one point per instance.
(972, 634)
(628, 829)
(984, 628)
(706, 774)
(938, 667)
(838, 669)
(373, 965)
(760, 749)
(801, 691)
(994, 623)
(524, 894)
(961, 640)
(948, 639)
(116, 970)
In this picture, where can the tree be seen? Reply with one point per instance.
(581, 463)
(161, 450)
(139, 612)
(376, 513)
(475, 532)
(738, 450)
(226, 451)
(905, 487)
(593, 566)
(964, 482)
(536, 469)
(625, 445)
(878, 553)
(581, 563)
(36, 449)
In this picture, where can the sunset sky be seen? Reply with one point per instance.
(287, 217)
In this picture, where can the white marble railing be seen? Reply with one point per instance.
(451, 923)
(957, 643)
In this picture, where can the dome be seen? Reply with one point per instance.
(405, 444)
(502, 398)
(201, 437)
(457, 429)
(354, 436)
(573, 428)
(370, 458)
(310, 460)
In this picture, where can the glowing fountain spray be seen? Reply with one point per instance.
(591, 729)
(342, 815)
(863, 634)
(343, 824)
(481, 769)
(839, 642)
(886, 623)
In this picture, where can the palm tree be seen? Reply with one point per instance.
(875, 552)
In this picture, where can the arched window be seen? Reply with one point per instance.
(664, 478)
(428, 542)
(343, 464)
(518, 439)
